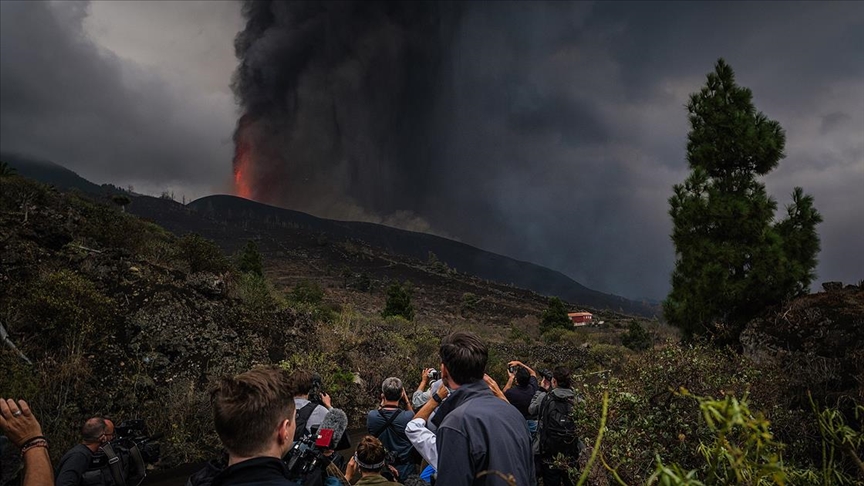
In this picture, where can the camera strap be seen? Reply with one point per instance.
(389, 422)
(114, 465)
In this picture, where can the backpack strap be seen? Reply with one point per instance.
(114, 465)
(139, 470)
(302, 418)
(388, 423)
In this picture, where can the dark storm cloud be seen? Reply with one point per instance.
(558, 129)
(68, 100)
(547, 131)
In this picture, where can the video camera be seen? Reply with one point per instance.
(134, 433)
(307, 456)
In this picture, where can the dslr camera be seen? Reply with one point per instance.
(315, 391)
(434, 375)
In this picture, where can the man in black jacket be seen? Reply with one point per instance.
(254, 416)
(479, 434)
(95, 433)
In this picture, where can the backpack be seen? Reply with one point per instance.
(302, 417)
(557, 428)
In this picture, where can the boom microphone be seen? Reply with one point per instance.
(337, 421)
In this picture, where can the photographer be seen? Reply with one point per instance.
(369, 459)
(424, 391)
(95, 433)
(388, 423)
(311, 402)
(520, 396)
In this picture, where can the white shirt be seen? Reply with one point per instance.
(423, 440)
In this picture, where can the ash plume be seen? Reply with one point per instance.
(339, 105)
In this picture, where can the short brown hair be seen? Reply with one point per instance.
(248, 407)
(465, 356)
(302, 381)
(562, 376)
(370, 451)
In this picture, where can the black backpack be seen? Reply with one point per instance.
(557, 429)
(302, 417)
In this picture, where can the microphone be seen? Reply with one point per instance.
(331, 432)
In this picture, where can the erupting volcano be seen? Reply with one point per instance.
(243, 159)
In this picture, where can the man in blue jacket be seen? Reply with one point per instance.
(479, 435)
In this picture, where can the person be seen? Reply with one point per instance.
(23, 430)
(310, 413)
(424, 390)
(520, 396)
(560, 400)
(254, 416)
(368, 461)
(388, 423)
(71, 470)
(479, 435)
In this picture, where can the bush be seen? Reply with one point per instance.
(202, 255)
(398, 302)
(306, 292)
(469, 303)
(555, 316)
(636, 337)
(249, 260)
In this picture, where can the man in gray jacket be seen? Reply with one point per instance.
(558, 402)
(478, 434)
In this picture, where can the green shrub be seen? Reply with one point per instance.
(469, 303)
(637, 337)
(202, 255)
(306, 292)
(249, 260)
(65, 307)
(555, 316)
(398, 302)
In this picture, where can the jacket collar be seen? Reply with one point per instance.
(461, 395)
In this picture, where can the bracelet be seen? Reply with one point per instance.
(33, 444)
(33, 439)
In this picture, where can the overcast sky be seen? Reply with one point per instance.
(570, 116)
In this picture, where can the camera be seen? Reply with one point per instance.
(315, 391)
(512, 369)
(131, 433)
(434, 375)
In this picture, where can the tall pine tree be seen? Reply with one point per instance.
(732, 259)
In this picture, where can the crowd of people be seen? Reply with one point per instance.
(457, 428)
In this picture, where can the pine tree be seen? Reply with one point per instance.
(555, 316)
(732, 260)
(398, 302)
(250, 259)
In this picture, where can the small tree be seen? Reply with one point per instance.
(732, 261)
(555, 316)
(250, 259)
(121, 200)
(306, 292)
(636, 338)
(6, 170)
(202, 255)
(398, 302)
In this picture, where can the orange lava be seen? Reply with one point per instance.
(243, 159)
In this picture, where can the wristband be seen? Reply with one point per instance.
(33, 444)
(32, 439)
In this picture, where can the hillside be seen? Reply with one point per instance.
(121, 317)
(230, 221)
